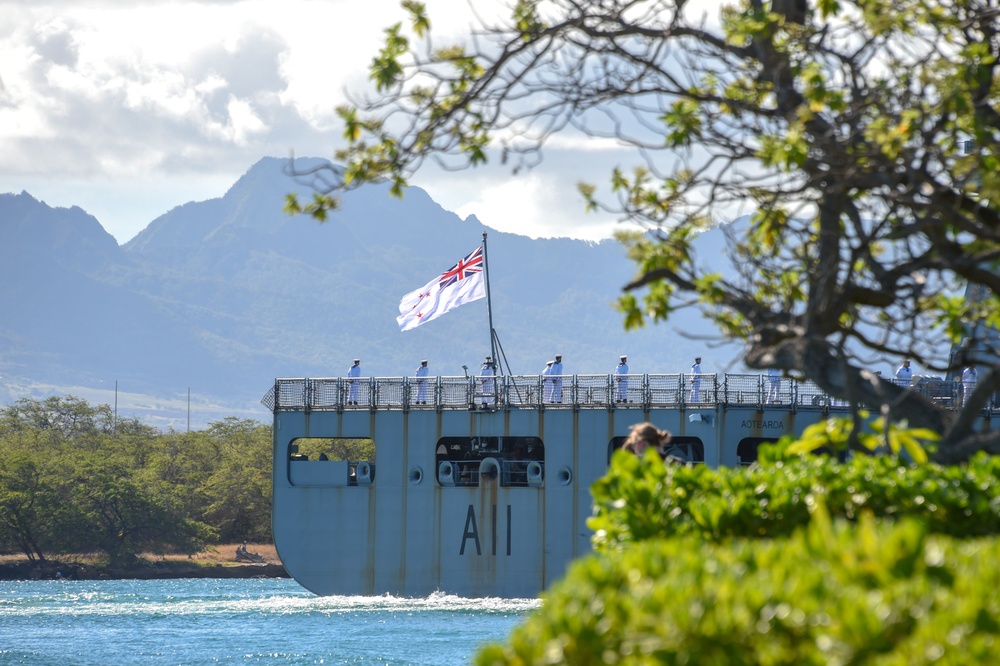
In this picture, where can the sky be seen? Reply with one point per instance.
(128, 109)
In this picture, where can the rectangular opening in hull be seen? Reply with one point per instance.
(519, 461)
(331, 461)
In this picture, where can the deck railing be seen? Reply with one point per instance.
(575, 392)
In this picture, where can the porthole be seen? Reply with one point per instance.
(565, 476)
(416, 476)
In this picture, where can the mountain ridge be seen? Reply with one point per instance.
(221, 296)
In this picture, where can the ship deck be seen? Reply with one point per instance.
(511, 392)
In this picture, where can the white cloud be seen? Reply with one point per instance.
(540, 203)
(128, 109)
(244, 123)
(579, 142)
(528, 205)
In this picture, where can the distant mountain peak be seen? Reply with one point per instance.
(221, 296)
(33, 230)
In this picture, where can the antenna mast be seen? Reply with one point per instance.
(489, 307)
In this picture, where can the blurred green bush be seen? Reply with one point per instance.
(832, 593)
(797, 559)
(643, 499)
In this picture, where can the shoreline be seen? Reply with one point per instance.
(145, 570)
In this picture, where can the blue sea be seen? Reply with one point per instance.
(221, 621)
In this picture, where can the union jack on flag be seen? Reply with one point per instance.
(464, 268)
(462, 283)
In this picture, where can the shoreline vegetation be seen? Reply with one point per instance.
(216, 562)
(102, 496)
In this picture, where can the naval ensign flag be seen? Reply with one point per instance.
(462, 283)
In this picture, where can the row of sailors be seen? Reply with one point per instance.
(554, 369)
(904, 376)
(552, 381)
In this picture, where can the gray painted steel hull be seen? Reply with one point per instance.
(394, 528)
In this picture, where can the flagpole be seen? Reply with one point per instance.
(489, 307)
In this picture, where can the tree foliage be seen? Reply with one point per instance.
(26, 500)
(75, 479)
(638, 500)
(239, 488)
(839, 125)
(794, 560)
(829, 594)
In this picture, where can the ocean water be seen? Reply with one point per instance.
(260, 621)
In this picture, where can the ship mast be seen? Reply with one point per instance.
(489, 308)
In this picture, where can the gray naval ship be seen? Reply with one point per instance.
(481, 487)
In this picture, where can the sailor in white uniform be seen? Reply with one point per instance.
(904, 374)
(487, 374)
(621, 380)
(557, 379)
(969, 377)
(774, 385)
(353, 382)
(547, 385)
(421, 375)
(696, 380)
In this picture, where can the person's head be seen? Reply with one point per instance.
(697, 359)
(623, 358)
(357, 361)
(906, 363)
(423, 362)
(558, 358)
(643, 435)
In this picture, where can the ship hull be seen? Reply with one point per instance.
(502, 512)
